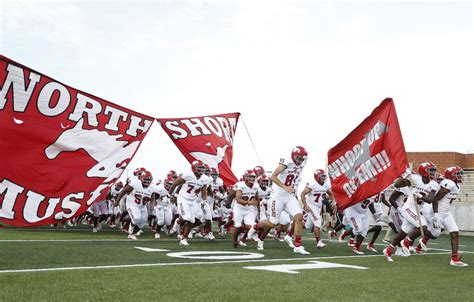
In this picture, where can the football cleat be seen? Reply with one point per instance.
(320, 244)
(251, 232)
(357, 251)
(422, 245)
(157, 235)
(289, 241)
(388, 254)
(210, 236)
(241, 243)
(180, 237)
(405, 247)
(386, 241)
(184, 242)
(132, 237)
(300, 250)
(94, 230)
(371, 247)
(342, 236)
(198, 235)
(351, 242)
(260, 245)
(331, 234)
(457, 262)
(399, 252)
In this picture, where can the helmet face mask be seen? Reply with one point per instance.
(263, 181)
(299, 155)
(320, 176)
(454, 173)
(428, 170)
(249, 177)
(214, 173)
(146, 178)
(119, 185)
(198, 167)
(172, 174)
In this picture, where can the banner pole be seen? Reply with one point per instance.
(251, 141)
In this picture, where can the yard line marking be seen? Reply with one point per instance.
(293, 268)
(194, 263)
(150, 250)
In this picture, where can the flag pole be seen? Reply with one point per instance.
(251, 141)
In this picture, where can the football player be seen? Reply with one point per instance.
(423, 188)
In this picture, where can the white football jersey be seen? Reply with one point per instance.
(420, 188)
(315, 196)
(445, 202)
(290, 176)
(247, 192)
(215, 185)
(164, 200)
(361, 207)
(140, 195)
(191, 189)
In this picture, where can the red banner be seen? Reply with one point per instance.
(369, 159)
(207, 138)
(61, 148)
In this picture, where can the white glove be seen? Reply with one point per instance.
(436, 221)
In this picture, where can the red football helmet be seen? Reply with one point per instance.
(263, 181)
(207, 170)
(172, 174)
(198, 167)
(428, 169)
(249, 177)
(146, 178)
(299, 155)
(259, 170)
(214, 173)
(138, 171)
(320, 176)
(454, 173)
(168, 182)
(119, 185)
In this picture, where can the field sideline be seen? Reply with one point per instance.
(75, 264)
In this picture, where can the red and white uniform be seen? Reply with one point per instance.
(203, 210)
(356, 216)
(189, 195)
(314, 199)
(215, 186)
(137, 200)
(245, 213)
(163, 210)
(419, 188)
(395, 213)
(263, 197)
(280, 200)
(445, 217)
(113, 193)
(379, 216)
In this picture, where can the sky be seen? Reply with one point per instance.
(300, 72)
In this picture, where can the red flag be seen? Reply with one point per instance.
(208, 138)
(369, 159)
(61, 148)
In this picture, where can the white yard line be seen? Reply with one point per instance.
(193, 263)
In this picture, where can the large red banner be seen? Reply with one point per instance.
(369, 159)
(61, 149)
(208, 138)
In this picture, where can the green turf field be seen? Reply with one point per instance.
(77, 265)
